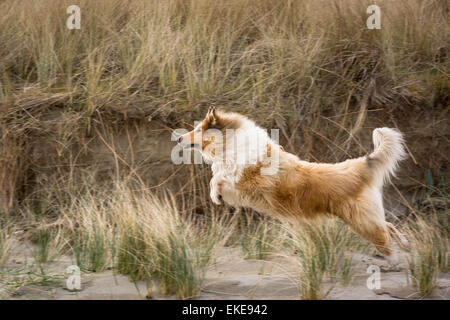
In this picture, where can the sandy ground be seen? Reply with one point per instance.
(231, 277)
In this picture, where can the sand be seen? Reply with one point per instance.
(231, 277)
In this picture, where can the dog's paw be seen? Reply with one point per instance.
(216, 198)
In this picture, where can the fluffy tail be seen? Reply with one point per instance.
(388, 152)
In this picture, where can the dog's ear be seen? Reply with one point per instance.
(211, 111)
(212, 116)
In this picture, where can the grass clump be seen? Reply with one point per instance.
(145, 236)
(323, 250)
(91, 231)
(157, 242)
(132, 252)
(50, 243)
(259, 236)
(92, 248)
(6, 242)
(429, 254)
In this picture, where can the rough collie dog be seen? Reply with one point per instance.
(251, 170)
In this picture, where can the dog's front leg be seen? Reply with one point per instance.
(215, 185)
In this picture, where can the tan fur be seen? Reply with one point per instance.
(349, 190)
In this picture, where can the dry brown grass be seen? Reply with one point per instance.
(140, 234)
(310, 68)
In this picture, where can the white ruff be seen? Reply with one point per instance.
(243, 147)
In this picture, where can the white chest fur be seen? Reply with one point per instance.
(225, 177)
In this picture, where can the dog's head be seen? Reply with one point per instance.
(209, 135)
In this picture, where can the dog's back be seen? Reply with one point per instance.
(350, 190)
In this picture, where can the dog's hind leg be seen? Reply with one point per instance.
(378, 234)
(367, 219)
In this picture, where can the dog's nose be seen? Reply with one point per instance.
(179, 139)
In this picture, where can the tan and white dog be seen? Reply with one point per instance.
(251, 170)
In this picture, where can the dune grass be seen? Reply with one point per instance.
(259, 236)
(323, 251)
(429, 254)
(49, 245)
(6, 243)
(93, 243)
(146, 236)
(139, 234)
(157, 242)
